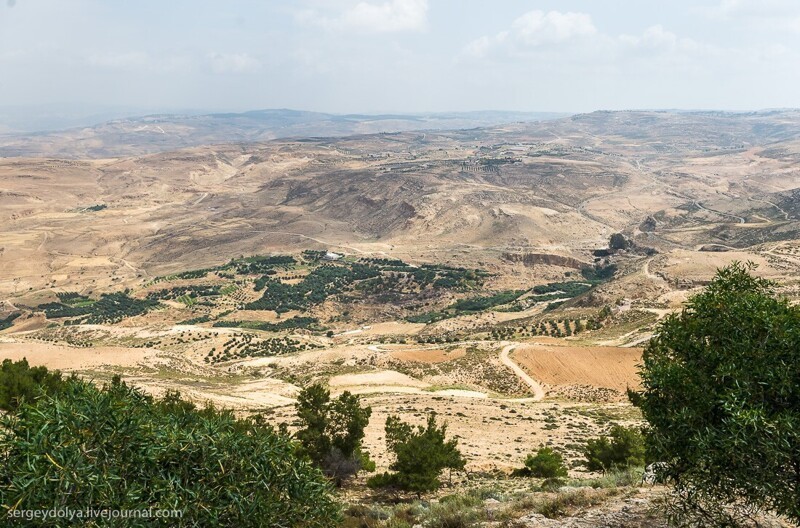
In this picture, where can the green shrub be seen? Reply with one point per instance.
(546, 463)
(20, 382)
(619, 241)
(615, 478)
(477, 304)
(430, 317)
(116, 448)
(420, 456)
(599, 274)
(553, 290)
(552, 484)
(624, 449)
(561, 504)
(321, 282)
(459, 512)
(8, 321)
(109, 308)
(288, 324)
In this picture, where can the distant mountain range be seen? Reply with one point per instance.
(163, 132)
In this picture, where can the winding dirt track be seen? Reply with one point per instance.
(535, 386)
(538, 391)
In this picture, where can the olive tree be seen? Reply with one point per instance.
(721, 395)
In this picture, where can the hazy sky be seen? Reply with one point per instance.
(402, 55)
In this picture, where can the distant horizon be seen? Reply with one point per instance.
(142, 110)
(98, 115)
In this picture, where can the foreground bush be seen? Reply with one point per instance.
(721, 393)
(116, 448)
(623, 448)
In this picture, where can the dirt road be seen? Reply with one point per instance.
(538, 391)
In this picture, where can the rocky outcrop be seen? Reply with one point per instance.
(532, 259)
(648, 225)
(714, 248)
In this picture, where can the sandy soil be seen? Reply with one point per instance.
(491, 433)
(700, 266)
(608, 367)
(385, 378)
(436, 355)
(74, 358)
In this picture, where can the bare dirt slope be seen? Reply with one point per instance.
(607, 367)
(557, 188)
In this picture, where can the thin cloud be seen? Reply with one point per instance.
(574, 37)
(535, 29)
(233, 63)
(392, 16)
(767, 15)
(14, 55)
(139, 61)
(656, 38)
(751, 8)
(123, 61)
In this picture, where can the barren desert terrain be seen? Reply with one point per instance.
(467, 272)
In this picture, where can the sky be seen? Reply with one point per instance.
(370, 56)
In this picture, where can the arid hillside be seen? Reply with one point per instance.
(668, 181)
